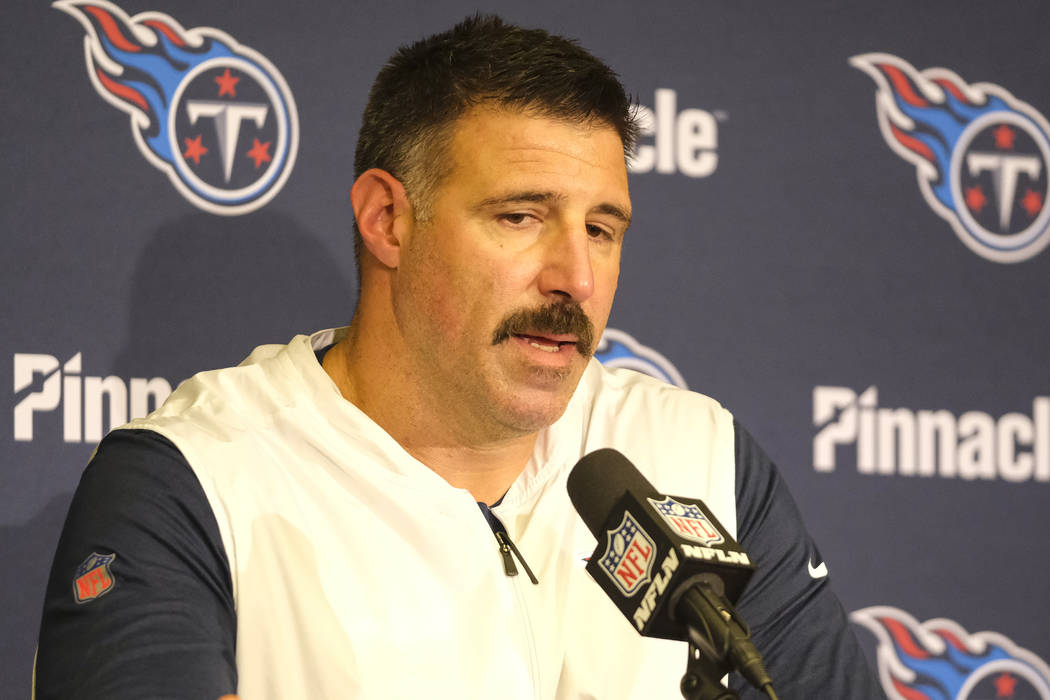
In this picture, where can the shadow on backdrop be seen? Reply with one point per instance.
(208, 289)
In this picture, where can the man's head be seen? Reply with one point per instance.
(494, 219)
(427, 86)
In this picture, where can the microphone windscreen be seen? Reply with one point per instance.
(598, 480)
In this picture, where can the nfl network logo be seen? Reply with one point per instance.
(688, 521)
(628, 557)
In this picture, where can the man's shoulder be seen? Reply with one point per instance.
(680, 439)
(269, 378)
(628, 387)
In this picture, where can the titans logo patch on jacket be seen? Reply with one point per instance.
(214, 115)
(980, 154)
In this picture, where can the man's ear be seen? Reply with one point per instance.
(379, 202)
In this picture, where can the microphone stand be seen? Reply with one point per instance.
(702, 677)
(706, 665)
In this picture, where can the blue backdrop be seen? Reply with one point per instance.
(840, 214)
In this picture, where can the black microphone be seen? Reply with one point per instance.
(666, 562)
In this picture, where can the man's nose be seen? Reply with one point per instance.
(567, 270)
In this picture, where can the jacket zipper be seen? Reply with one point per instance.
(507, 549)
(509, 552)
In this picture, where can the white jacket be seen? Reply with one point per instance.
(358, 572)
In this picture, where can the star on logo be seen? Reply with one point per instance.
(1004, 138)
(1004, 685)
(194, 149)
(227, 84)
(1032, 202)
(975, 198)
(260, 153)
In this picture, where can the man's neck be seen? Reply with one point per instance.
(484, 465)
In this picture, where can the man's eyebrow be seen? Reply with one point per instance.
(615, 211)
(514, 197)
(550, 198)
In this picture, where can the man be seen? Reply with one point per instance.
(380, 511)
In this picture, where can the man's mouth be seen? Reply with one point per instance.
(549, 328)
(546, 343)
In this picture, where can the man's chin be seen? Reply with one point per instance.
(532, 418)
(541, 398)
(552, 378)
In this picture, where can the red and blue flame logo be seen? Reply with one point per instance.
(939, 660)
(980, 154)
(214, 115)
(619, 349)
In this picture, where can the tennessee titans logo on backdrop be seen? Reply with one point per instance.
(939, 660)
(212, 114)
(628, 558)
(618, 349)
(980, 154)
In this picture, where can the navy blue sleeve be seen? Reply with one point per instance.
(139, 602)
(797, 622)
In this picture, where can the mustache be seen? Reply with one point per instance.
(555, 319)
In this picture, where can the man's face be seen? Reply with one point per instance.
(503, 293)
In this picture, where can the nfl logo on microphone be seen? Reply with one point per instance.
(688, 521)
(629, 555)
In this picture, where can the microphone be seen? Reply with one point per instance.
(666, 562)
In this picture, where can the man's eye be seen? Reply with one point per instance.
(517, 218)
(598, 232)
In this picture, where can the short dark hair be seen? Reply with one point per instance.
(426, 86)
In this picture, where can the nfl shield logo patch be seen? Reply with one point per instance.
(629, 554)
(93, 577)
(688, 521)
